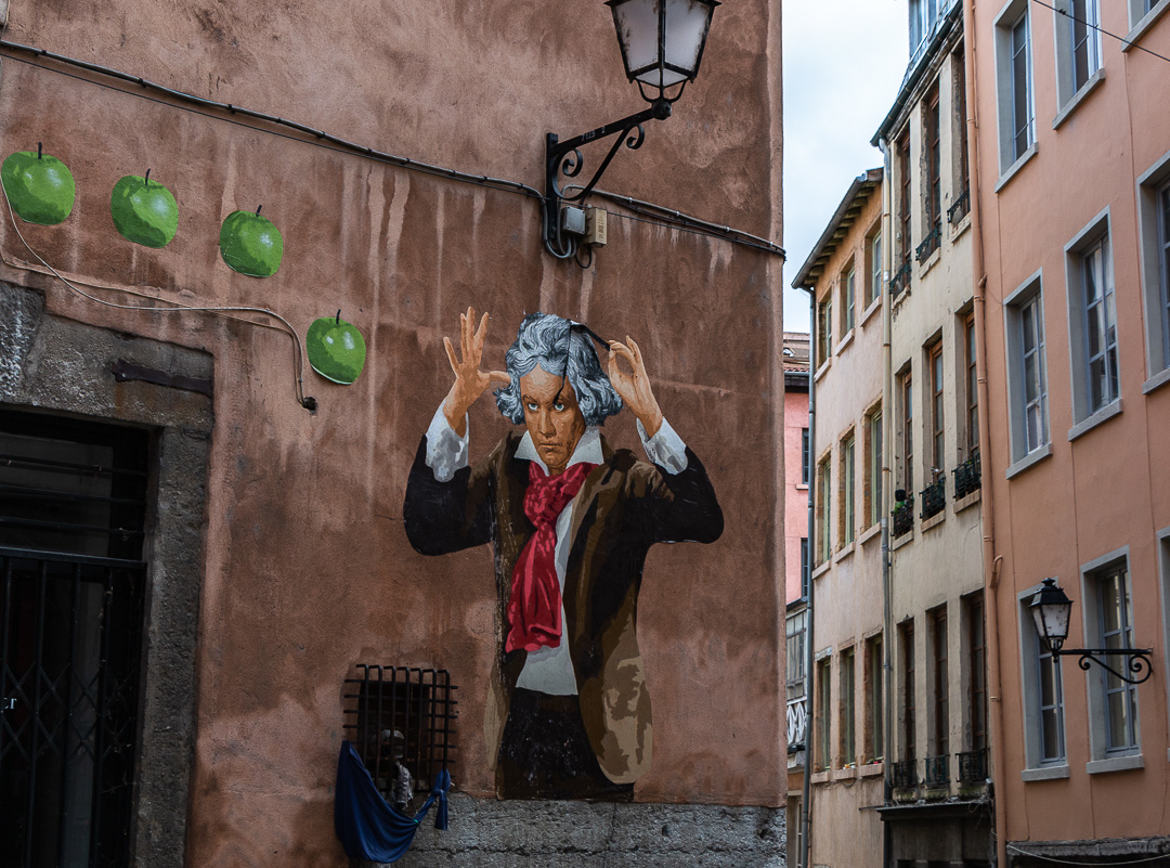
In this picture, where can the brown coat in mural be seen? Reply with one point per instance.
(575, 724)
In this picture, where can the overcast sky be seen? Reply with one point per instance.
(843, 62)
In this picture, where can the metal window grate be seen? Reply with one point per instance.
(929, 243)
(972, 766)
(905, 774)
(904, 517)
(934, 498)
(938, 774)
(401, 710)
(967, 479)
(959, 207)
(900, 280)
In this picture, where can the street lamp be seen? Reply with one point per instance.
(662, 45)
(1051, 610)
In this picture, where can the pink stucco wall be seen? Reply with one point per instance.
(795, 492)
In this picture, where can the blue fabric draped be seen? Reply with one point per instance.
(366, 824)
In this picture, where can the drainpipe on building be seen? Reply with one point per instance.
(806, 784)
(887, 482)
(991, 562)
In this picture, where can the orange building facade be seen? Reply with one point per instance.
(1071, 145)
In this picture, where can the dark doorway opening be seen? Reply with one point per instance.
(73, 498)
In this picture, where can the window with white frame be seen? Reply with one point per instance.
(824, 711)
(1154, 214)
(848, 485)
(824, 329)
(824, 481)
(873, 259)
(967, 359)
(932, 174)
(1078, 45)
(874, 697)
(848, 298)
(905, 396)
(1026, 365)
(1113, 702)
(873, 466)
(960, 161)
(1043, 694)
(1092, 319)
(1013, 59)
(847, 722)
(936, 412)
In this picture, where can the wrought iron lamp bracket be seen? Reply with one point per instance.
(564, 158)
(1137, 661)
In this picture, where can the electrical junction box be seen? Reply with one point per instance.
(573, 220)
(595, 226)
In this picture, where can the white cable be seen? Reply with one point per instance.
(309, 404)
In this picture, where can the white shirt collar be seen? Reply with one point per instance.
(588, 450)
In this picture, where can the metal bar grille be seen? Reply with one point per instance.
(69, 666)
(934, 498)
(401, 716)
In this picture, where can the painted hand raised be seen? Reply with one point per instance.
(470, 381)
(633, 386)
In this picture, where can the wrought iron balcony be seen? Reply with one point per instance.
(934, 498)
(901, 279)
(972, 766)
(959, 207)
(797, 715)
(904, 517)
(905, 774)
(929, 243)
(938, 772)
(967, 476)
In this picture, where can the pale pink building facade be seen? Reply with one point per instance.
(1071, 145)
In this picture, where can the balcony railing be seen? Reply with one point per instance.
(934, 498)
(967, 476)
(959, 207)
(972, 766)
(901, 279)
(929, 243)
(797, 722)
(904, 517)
(938, 772)
(905, 774)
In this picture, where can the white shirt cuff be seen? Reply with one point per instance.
(446, 450)
(665, 448)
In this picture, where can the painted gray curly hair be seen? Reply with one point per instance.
(546, 339)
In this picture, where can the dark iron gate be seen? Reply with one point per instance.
(72, 588)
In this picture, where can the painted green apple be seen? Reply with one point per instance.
(336, 349)
(144, 212)
(39, 186)
(251, 244)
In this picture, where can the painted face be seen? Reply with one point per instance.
(554, 422)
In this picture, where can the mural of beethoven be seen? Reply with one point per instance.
(571, 520)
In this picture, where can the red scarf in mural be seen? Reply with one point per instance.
(534, 609)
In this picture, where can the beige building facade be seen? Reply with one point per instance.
(938, 805)
(845, 746)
